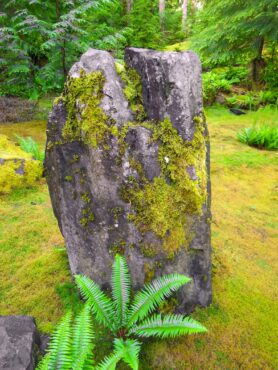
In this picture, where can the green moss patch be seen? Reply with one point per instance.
(165, 205)
(18, 169)
(86, 120)
(132, 90)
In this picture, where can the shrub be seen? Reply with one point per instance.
(247, 101)
(270, 73)
(126, 319)
(262, 137)
(236, 75)
(213, 83)
(29, 145)
(253, 100)
(268, 97)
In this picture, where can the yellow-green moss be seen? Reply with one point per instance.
(14, 159)
(87, 216)
(86, 120)
(132, 90)
(165, 205)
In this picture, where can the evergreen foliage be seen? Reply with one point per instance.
(233, 31)
(41, 39)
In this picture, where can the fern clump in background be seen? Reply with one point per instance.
(29, 145)
(127, 319)
(262, 136)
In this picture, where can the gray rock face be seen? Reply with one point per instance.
(94, 189)
(174, 89)
(19, 343)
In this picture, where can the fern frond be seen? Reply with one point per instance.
(43, 364)
(82, 343)
(121, 289)
(126, 350)
(169, 326)
(110, 362)
(60, 345)
(100, 304)
(149, 298)
(131, 349)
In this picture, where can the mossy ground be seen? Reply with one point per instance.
(242, 320)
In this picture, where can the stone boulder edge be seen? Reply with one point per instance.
(19, 343)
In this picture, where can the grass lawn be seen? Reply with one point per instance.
(242, 320)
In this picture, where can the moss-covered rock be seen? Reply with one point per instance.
(163, 205)
(128, 170)
(17, 168)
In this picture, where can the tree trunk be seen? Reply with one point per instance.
(257, 64)
(161, 10)
(184, 13)
(128, 6)
(63, 46)
(63, 53)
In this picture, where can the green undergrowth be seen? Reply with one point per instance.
(35, 277)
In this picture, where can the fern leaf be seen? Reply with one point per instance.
(149, 298)
(60, 345)
(131, 349)
(82, 343)
(110, 362)
(43, 365)
(121, 289)
(169, 326)
(100, 304)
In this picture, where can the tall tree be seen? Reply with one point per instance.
(161, 5)
(128, 5)
(184, 13)
(230, 31)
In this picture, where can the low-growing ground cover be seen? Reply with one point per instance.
(35, 278)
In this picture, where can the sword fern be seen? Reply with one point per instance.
(71, 345)
(127, 319)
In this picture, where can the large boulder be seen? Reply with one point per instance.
(127, 165)
(19, 343)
